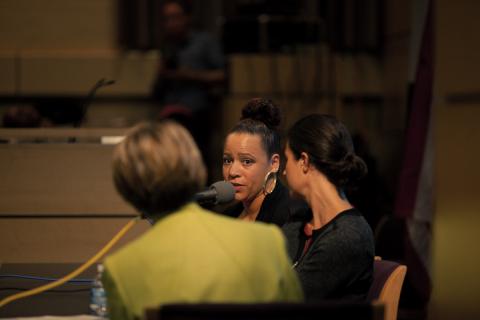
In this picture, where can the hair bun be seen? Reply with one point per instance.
(353, 169)
(263, 110)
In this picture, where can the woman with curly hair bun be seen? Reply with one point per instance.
(251, 162)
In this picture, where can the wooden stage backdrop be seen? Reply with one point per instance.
(58, 203)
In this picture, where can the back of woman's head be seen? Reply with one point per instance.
(329, 147)
(261, 117)
(158, 167)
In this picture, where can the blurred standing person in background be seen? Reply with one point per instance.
(192, 64)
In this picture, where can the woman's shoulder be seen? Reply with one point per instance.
(231, 210)
(279, 206)
(351, 229)
(353, 218)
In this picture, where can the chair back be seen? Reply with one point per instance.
(387, 284)
(337, 310)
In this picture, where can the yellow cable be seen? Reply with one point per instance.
(73, 274)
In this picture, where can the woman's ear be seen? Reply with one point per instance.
(275, 162)
(304, 161)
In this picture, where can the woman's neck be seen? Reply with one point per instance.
(325, 201)
(251, 209)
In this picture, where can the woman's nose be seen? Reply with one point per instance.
(233, 172)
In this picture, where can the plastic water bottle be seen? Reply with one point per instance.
(98, 298)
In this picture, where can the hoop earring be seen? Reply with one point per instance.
(268, 177)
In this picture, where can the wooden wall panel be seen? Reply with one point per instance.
(58, 179)
(58, 24)
(7, 74)
(60, 240)
(455, 264)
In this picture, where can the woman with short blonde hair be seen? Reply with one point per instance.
(190, 254)
(158, 167)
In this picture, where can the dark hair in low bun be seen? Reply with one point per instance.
(261, 117)
(329, 147)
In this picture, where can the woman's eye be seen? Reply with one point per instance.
(227, 161)
(247, 162)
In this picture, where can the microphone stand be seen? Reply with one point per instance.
(89, 99)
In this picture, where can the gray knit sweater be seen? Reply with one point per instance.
(339, 262)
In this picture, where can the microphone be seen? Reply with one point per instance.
(220, 192)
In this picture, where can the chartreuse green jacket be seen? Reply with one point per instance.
(194, 255)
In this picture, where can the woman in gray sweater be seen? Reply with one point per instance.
(331, 245)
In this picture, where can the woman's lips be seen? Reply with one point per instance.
(237, 187)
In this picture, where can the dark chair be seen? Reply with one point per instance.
(387, 284)
(267, 311)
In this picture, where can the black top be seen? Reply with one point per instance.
(339, 262)
(277, 207)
